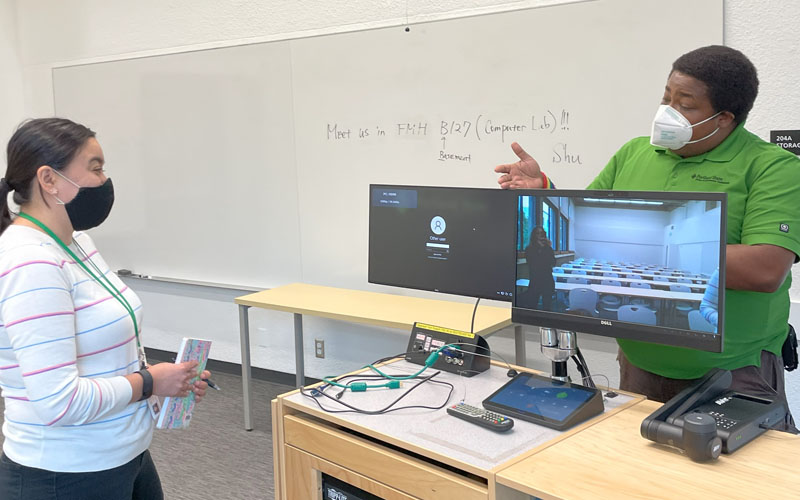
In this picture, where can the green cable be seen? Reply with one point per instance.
(362, 386)
(429, 361)
(115, 293)
(394, 382)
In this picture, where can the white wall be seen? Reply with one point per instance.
(57, 32)
(693, 238)
(617, 234)
(11, 101)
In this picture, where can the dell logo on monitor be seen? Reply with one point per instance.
(605, 322)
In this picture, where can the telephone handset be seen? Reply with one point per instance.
(707, 419)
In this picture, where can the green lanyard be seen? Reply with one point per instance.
(110, 288)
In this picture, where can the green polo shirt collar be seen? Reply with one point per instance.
(724, 152)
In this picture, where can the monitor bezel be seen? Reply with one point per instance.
(450, 291)
(618, 329)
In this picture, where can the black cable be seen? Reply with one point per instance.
(586, 368)
(472, 326)
(583, 369)
(490, 355)
(320, 391)
(388, 408)
(394, 356)
(586, 379)
(580, 367)
(484, 355)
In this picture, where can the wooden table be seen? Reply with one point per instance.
(605, 457)
(611, 460)
(412, 454)
(379, 309)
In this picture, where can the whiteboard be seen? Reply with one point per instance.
(250, 165)
(199, 146)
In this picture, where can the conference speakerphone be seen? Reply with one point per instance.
(544, 401)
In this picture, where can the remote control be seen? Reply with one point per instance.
(482, 417)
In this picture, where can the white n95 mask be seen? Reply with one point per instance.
(672, 130)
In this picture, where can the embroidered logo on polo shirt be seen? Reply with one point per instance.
(785, 228)
(709, 178)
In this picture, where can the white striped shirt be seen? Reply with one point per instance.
(65, 346)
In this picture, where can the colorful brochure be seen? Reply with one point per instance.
(176, 413)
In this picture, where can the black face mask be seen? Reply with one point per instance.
(91, 206)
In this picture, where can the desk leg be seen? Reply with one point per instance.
(299, 362)
(519, 345)
(244, 343)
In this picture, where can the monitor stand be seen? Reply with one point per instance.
(558, 346)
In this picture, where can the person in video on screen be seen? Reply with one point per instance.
(74, 379)
(698, 142)
(541, 259)
(709, 305)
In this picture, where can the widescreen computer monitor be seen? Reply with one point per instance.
(443, 239)
(623, 264)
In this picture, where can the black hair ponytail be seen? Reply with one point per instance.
(42, 141)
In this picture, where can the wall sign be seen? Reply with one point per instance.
(787, 139)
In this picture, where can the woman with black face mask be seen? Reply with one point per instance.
(75, 381)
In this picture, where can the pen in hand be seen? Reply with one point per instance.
(207, 381)
(211, 384)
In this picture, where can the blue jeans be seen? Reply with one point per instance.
(135, 480)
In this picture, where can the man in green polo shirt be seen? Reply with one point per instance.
(699, 143)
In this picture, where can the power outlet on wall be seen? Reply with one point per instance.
(319, 348)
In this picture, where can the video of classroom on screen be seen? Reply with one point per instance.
(646, 263)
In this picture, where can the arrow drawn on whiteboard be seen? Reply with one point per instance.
(444, 141)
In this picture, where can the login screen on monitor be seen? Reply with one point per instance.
(451, 240)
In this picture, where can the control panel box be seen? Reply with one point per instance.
(467, 354)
